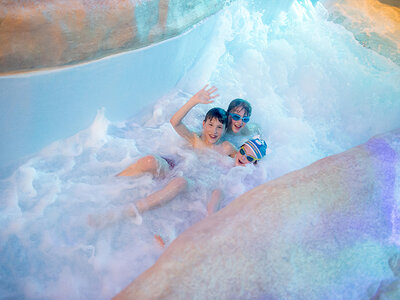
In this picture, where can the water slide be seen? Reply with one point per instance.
(327, 231)
(318, 85)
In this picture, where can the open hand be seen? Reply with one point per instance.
(205, 95)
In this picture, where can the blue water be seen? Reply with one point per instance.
(314, 88)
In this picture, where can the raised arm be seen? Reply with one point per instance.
(204, 96)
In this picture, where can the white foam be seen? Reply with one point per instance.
(315, 91)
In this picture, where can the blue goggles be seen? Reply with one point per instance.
(237, 117)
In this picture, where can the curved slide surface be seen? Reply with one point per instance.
(296, 237)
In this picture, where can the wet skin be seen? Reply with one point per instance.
(213, 130)
(236, 126)
(241, 160)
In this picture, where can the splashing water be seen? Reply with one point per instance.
(315, 91)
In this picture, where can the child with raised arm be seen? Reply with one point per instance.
(214, 125)
(213, 128)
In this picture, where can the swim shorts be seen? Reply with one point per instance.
(170, 162)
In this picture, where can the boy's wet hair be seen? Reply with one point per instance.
(218, 113)
(240, 103)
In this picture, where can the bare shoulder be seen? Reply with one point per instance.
(229, 149)
(196, 141)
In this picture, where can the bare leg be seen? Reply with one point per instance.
(156, 166)
(166, 194)
(215, 202)
(133, 211)
(151, 164)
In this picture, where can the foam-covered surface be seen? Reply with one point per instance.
(315, 91)
(326, 231)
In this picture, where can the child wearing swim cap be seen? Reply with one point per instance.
(250, 152)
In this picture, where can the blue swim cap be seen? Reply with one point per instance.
(258, 146)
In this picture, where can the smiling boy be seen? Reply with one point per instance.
(214, 126)
(249, 153)
(214, 123)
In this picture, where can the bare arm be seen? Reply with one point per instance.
(229, 149)
(203, 96)
(215, 201)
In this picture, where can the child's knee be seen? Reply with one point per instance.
(149, 161)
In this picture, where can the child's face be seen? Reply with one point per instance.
(212, 130)
(236, 126)
(241, 159)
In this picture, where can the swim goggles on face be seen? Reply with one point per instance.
(248, 157)
(237, 117)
